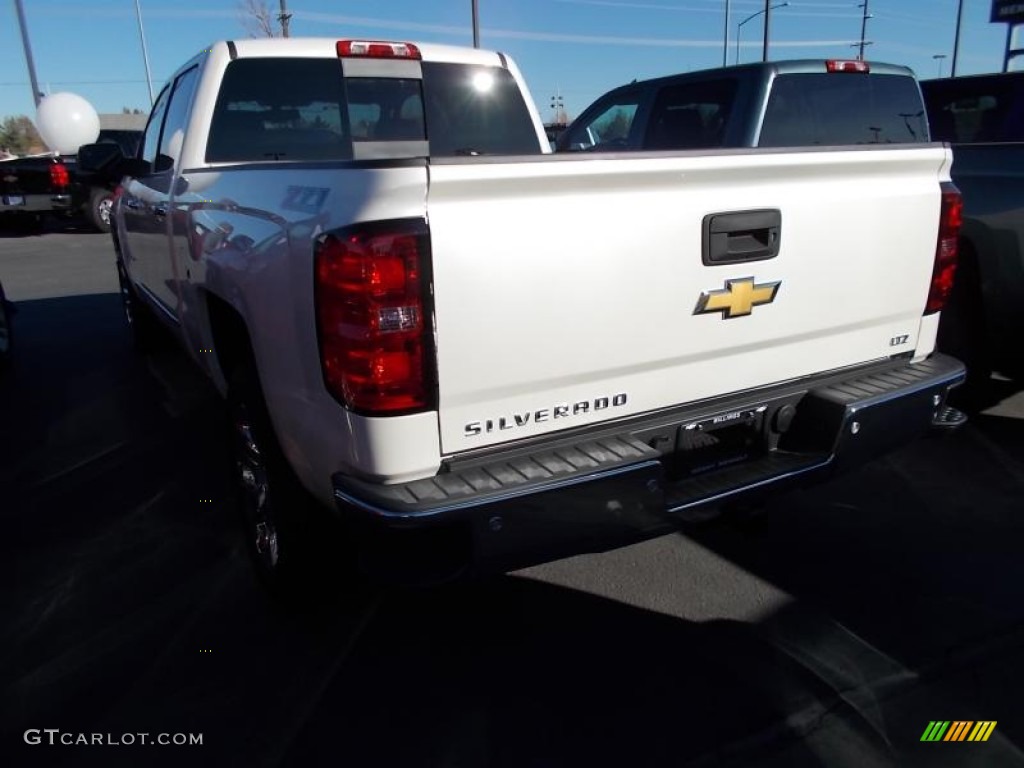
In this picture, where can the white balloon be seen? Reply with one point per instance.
(66, 121)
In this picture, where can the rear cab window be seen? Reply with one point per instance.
(280, 109)
(834, 109)
(691, 115)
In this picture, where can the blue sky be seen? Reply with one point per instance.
(578, 47)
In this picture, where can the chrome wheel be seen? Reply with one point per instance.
(257, 511)
(104, 209)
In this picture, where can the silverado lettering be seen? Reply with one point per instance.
(486, 426)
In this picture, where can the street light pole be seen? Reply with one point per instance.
(956, 39)
(739, 26)
(28, 52)
(725, 37)
(476, 26)
(767, 25)
(145, 53)
(939, 57)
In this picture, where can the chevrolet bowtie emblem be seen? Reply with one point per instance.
(738, 298)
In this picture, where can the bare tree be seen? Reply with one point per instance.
(19, 135)
(257, 18)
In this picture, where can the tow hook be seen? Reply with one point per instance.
(947, 418)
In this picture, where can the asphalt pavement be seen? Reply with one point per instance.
(828, 629)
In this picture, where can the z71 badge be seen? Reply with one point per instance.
(738, 298)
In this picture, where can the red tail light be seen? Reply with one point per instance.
(946, 250)
(59, 175)
(374, 330)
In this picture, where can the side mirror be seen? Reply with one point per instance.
(96, 158)
(134, 167)
(163, 163)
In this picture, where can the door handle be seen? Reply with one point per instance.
(159, 211)
(741, 236)
(132, 204)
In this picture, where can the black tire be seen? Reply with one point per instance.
(963, 333)
(101, 202)
(145, 330)
(296, 549)
(6, 332)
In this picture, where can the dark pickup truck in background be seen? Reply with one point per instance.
(982, 116)
(31, 187)
(777, 104)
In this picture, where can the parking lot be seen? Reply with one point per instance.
(828, 630)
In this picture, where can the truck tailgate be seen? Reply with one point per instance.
(574, 290)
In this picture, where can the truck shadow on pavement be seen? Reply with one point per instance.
(919, 554)
(134, 611)
(15, 228)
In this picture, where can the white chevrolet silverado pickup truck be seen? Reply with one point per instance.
(425, 321)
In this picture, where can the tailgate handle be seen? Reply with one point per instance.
(739, 236)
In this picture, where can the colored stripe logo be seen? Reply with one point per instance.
(958, 730)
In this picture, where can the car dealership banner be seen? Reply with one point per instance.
(1008, 11)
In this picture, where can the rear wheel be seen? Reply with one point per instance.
(963, 332)
(101, 203)
(5, 331)
(292, 542)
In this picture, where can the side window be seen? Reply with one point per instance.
(174, 124)
(609, 129)
(974, 118)
(151, 138)
(691, 115)
(975, 112)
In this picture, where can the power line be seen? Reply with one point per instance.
(76, 82)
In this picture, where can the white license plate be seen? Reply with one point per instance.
(14, 200)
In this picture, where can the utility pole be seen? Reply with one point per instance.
(476, 26)
(558, 105)
(863, 29)
(145, 53)
(284, 18)
(28, 52)
(767, 25)
(956, 40)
